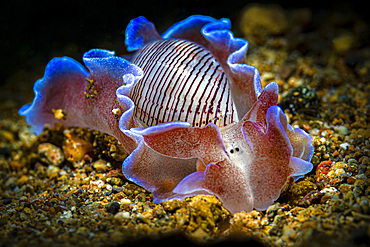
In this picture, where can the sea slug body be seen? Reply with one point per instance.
(190, 112)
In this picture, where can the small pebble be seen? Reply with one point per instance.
(66, 215)
(112, 207)
(50, 154)
(122, 215)
(101, 165)
(76, 148)
(344, 145)
(52, 171)
(342, 130)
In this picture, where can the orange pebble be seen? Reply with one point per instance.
(76, 148)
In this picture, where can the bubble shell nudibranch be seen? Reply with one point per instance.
(190, 112)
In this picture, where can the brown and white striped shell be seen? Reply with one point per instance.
(182, 81)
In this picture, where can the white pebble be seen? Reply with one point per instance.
(329, 190)
(108, 187)
(125, 201)
(122, 215)
(66, 215)
(344, 145)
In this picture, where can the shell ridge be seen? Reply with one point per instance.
(156, 82)
(206, 100)
(184, 92)
(197, 87)
(148, 67)
(208, 108)
(169, 80)
(150, 76)
(142, 87)
(224, 86)
(181, 83)
(191, 85)
(182, 86)
(135, 92)
(161, 94)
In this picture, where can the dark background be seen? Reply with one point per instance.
(33, 32)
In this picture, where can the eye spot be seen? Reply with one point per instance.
(237, 149)
(232, 151)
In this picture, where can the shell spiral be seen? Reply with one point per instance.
(182, 81)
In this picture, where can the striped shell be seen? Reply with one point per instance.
(182, 81)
